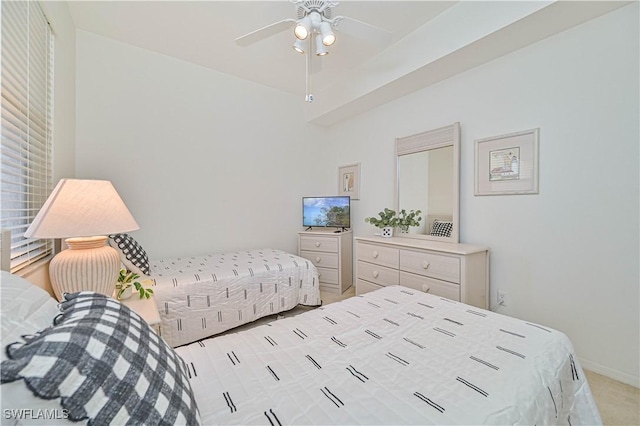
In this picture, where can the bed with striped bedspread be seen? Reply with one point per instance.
(392, 356)
(201, 296)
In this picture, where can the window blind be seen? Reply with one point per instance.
(27, 111)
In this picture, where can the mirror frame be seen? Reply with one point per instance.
(425, 141)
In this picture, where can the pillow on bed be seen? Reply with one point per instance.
(105, 364)
(441, 228)
(25, 307)
(132, 254)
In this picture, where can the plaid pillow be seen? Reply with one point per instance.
(105, 364)
(441, 228)
(132, 255)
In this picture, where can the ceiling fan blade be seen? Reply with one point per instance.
(361, 30)
(265, 32)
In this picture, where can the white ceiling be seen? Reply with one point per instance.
(430, 41)
(204, 33)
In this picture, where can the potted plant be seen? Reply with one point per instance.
(387, 221)
(126, 283)
(405, 220)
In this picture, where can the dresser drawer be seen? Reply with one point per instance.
(431, 265)
(326, 275)
(321, 259)
(431, 286)
(378, 274)
(318, 243)
(385, 256)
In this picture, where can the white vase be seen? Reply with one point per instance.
(126, 293)
(387, 232)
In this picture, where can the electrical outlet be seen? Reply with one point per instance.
(502, 298)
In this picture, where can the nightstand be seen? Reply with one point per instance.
(331, 253)
(146, 308)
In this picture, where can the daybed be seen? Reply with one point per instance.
(200, 296)
(392, 356)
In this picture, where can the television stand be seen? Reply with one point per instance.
(332, 254)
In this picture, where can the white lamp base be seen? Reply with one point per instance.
(88, 264)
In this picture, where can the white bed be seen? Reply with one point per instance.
(200, 296)
(205, 295)
(393, 356)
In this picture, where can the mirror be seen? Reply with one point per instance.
(427, 179)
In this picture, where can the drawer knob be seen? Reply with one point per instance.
(375, 255)
(317, 243)
(318, 259)
(375, 274)
(425, 264)
(425, 288)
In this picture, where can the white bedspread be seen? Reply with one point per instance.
(393, 356)
(205, 295)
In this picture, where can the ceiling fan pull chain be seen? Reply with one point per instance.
(309, 96)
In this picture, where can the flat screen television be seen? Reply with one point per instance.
(326, 212)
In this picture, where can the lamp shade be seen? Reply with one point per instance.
(302, 28)
(300, 46)
(328, 37)
(321, 50)
(82, 208)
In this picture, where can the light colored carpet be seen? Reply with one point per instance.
(618, 403)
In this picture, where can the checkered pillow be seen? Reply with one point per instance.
(105, 364)
(441, 228)
(132, 254)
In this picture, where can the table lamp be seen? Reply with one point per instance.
(84, 212)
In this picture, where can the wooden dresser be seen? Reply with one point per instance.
(455, 271)
(332, 254)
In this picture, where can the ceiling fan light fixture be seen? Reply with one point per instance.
(328, 37)
(303, 28)
(300, 46)
(321, 49)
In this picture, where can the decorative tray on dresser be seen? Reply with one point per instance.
(454, 271)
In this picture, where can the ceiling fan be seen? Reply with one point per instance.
(315, 25)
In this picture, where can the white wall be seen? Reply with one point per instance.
(205, 162)
(568, 257)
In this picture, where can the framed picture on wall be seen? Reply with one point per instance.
(349, 181)
(507, 164)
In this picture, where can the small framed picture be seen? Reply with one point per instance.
(349, 181)
(507, 164)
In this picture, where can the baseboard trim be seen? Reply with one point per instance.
(610, 372)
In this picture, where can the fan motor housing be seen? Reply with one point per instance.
(314, 5)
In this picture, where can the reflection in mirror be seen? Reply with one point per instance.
(427, 180)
